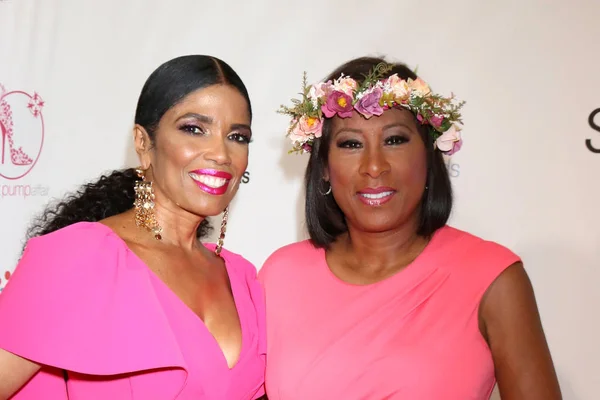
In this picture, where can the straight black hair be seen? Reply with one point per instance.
(324, 218)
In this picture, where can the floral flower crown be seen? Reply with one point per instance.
(372, 97)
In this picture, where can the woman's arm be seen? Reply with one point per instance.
(510, 322)
(14, 373)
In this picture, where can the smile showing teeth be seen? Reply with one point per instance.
(210, 181)
(376, 196)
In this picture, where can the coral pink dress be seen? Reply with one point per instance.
(412, 336)
(81, 301)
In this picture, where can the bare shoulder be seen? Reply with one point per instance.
(511, 324)
(511, 287)
(123, 225)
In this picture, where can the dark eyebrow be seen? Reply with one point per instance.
(199, 117)
(388, 126)
(347, 130)
(397, 124)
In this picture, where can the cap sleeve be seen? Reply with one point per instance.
(488, 260)
(79, 301)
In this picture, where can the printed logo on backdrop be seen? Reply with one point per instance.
(246, 177)
(453, 168)
(21, 142)
(594, 116)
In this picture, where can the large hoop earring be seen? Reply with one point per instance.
(327, 192)
(223, 230)
(144, 205)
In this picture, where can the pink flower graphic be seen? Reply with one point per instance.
(36, 104)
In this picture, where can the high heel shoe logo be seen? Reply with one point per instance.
(21, 132)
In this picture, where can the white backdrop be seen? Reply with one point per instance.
(528, 70)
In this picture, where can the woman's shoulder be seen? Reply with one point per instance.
(287, 257)
(86, 250)
(77, 235)
(78, 286)
(460, 241)
(80, 241)
(475, 262)
(293, 252)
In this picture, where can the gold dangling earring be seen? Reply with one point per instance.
(223, 229)
(144, 205)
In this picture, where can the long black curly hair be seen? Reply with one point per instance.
(113, 193)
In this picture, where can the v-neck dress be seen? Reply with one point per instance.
(81, 301)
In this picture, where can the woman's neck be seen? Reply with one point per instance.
(370, 256)
(178, 227)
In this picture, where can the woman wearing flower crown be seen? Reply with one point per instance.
(115, 297)
(386, 301)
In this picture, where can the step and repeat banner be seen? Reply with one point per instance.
(528, 175)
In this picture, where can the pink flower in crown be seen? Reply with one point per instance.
(297, 134)
(456, 147)
(306, 128)
(398, 87)
(450, 141)
(436, 120)
(318, 90)
(311, 125)
(346, 85)
(338, 103)
(368, 105)
(418, 85)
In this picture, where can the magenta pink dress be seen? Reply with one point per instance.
(80, 300)
(412, 336)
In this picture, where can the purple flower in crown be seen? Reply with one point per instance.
(368, 105)
(338, 103)
(372, 97)
(307, 147)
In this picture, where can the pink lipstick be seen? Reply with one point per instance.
(211, 181)
(376, 196)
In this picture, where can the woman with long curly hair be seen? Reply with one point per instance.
(115, 296)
